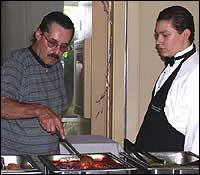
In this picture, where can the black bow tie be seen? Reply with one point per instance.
(171, 60)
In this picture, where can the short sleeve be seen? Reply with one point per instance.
(11, 78)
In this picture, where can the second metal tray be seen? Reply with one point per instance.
(119, 165)
(24, 162)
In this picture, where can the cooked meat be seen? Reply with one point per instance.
(13, 166)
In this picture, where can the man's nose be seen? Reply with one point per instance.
(159, 40)
(57, 50)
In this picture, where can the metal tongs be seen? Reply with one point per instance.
(72, 149)
(140, 154)
(3, 166)
(84, 159)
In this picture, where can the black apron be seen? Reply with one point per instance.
(156, 133)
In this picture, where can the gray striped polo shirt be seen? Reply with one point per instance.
(23, 78)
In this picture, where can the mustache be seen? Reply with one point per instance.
(53, 55)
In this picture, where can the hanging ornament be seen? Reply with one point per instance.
(106, 96)
(106, 6)
(107, 9)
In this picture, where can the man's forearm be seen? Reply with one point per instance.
(47, 118)
(11, 109)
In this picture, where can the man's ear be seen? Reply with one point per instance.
(38, 34)
(187, 34)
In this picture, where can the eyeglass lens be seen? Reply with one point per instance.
(54, 44)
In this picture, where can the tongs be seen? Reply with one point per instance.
(131, 148)
(73, 150)
(3, 166)
(85, 160)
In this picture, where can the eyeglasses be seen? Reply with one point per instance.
(54, 44)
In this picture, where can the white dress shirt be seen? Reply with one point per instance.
(182, 103)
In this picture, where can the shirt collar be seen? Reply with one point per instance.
(184, 51)
(39, 60)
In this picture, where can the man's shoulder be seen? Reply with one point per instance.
(19, 55)
(20, 52)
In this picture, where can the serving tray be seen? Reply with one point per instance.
(182, 162)
(103, 163)
(24, 163)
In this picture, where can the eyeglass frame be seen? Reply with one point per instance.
(52, 45)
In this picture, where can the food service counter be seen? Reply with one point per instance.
(107, 157)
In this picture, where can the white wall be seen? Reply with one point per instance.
(19, 19)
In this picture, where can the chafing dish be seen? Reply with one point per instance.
(18, 164)
(175, 162)
(181, 162)
(70, 164)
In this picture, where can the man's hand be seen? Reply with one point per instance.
(50, 121)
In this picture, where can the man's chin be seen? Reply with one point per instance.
(52, 61)
(162, 55)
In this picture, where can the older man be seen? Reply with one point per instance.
(33, 95)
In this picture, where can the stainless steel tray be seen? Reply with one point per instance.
(50, 167)
(27, 166)
(180, 159)
(175, 163)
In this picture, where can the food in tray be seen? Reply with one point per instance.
(10, 166)
(10, 163)
(86, 161)
(97, 163)
(13, 166)
(166, 165)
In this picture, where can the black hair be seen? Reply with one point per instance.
(181, 19)
(57, 17)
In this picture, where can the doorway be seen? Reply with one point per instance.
(73, 61)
